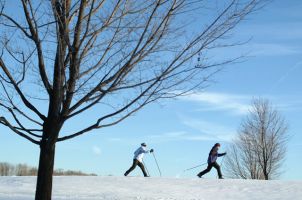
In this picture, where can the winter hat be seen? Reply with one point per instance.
(143, 144)
(217, 144)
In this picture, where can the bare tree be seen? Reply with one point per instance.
(32, 171)
(5, 169)
(61, 58)
(22, 170)
(260, 146)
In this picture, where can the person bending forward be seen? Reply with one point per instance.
(138, 159)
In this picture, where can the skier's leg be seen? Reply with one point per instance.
(135, 162)
(200, 174)
(215, 164)
(141, 165)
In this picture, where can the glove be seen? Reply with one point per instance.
(151, 150)
(225, 154)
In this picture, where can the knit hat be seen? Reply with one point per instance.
(217, 144)
(143, 144)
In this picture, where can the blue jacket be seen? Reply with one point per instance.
(213, 155)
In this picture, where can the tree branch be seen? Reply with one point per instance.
(31, 21)
(25, 101)
(6, 123)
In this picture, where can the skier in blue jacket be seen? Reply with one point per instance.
(138, 159)
(213, 155)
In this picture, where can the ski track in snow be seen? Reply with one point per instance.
(140, 188)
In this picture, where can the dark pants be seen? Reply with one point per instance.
(135, 163)
(215, 165)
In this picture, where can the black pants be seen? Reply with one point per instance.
(135, 163)
(215, 165)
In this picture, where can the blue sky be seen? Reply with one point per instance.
(183, 130)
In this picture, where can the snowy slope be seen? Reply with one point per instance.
(139, 188)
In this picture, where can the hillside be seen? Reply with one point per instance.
(139, 188)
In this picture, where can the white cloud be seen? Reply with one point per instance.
(237, 104)
(168, 136)
(114, 139)
(273, 49)
(203, 131)
(257, 49)
(209, 129)
(191, 137)
(96, 150)
(277, 31)
(286, 75)
(180, 136)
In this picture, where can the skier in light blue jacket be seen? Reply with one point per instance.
(138, 159)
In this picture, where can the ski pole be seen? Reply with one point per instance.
(156, 163)
(146, 168)
(195, 167)
(221, 163)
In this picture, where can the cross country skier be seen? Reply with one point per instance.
(213, 155)
(138, 159)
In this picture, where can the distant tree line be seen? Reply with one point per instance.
(7, 169)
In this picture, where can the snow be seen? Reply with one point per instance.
(140, 188)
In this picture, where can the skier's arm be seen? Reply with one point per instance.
(222, 154)
(147, 151)
(142, 150)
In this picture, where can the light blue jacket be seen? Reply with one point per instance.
(139, 153)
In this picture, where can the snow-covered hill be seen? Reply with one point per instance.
(139, 188)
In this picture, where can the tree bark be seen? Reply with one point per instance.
(45, 171)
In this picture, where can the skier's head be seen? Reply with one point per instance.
(217, 145)
(143, 144)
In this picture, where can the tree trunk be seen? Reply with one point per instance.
(45, 171)
(265, 176)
